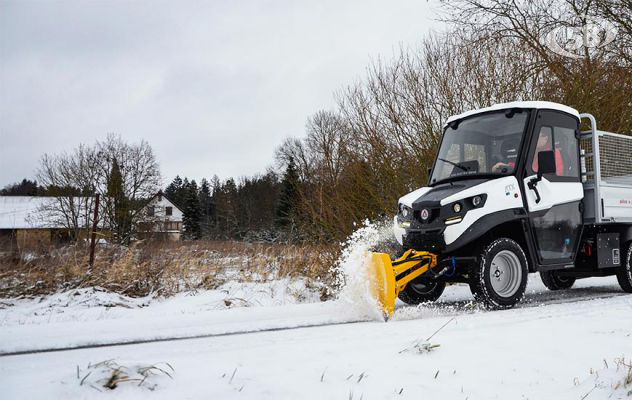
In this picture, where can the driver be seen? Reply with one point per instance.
(545, 144)
(509, 151)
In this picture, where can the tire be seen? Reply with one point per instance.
(499, 279)
(624, 275)
(421, 291)
(555, 282)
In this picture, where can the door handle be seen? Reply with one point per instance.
(533, 185)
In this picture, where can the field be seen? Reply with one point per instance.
(565, 345)
(162, 269)
(226, 320)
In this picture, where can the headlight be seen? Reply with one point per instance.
(405, 212)
(478, 201)
(455, 212)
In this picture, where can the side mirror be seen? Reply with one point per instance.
(546, 163)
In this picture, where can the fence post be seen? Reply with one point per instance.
(93, 238)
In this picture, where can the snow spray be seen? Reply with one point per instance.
(350, 270)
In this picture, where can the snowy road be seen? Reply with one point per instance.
(544, 349)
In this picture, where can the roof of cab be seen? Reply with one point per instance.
(518, 104)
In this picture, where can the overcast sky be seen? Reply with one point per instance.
(213, 86)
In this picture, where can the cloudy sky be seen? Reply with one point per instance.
(214, 86)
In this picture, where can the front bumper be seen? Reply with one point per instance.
(427, 240)
(414, 237)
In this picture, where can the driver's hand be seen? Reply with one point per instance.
(498, 166)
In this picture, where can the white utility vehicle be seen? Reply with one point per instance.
(515, 188)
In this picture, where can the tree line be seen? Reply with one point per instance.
(262, 207)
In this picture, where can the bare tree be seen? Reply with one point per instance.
(357, 160)
(293, 148)
(140, 181)
(70, 180)
(74, 178)
(597, 79)
(620, 13)
(327, 140)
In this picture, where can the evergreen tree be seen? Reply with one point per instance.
(289, 198)
(230, 193)
(205, 207)
(118, 206)
(216, 187)
(191, 213)
(24, 188)
(174, 191)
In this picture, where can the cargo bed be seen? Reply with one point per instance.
(606, 175)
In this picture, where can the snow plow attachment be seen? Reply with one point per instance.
(388, 278)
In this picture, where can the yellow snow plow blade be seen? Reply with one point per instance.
(387, 278)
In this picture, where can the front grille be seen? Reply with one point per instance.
(434, 213)
(431, 240)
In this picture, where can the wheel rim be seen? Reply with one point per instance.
(563, 279)
(423, 288)
(505, 273)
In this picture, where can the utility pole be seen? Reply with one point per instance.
(93, 239)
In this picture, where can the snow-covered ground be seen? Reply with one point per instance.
(89, 304)
(556, 345)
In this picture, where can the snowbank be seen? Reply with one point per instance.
(90, 304)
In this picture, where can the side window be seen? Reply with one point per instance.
(566, 142)
(169, 211)
(556, 132)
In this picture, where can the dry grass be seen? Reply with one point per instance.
(109, 375)
(626, 382)
(162, 268)
(616, 376)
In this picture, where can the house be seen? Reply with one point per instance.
(163, 219)
(32, 221)
(26, 221)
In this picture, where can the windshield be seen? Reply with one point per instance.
(484, 144)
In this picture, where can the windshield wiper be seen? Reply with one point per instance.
(458, 165)
(462, 177)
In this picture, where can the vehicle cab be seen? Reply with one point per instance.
(481, 178)
(509, 171)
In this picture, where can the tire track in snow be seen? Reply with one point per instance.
(175, 338)
(452, 308)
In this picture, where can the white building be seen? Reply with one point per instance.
(39, 221)
(33, 220)
(165, 217)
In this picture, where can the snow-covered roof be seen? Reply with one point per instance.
(548, 105)
(25, 212)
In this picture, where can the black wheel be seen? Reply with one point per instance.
(421, 291)
(553, 281)
(624, 275)
(499, 279)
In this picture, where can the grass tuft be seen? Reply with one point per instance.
(109, 374)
